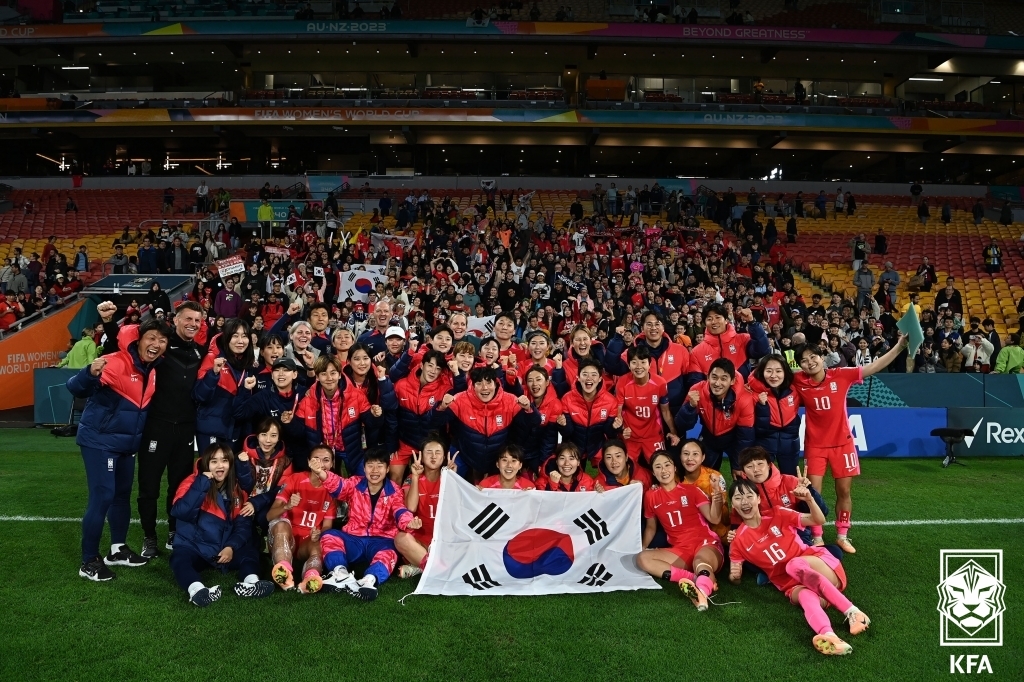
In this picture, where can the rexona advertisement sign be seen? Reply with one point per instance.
(996, 431)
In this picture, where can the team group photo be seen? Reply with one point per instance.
(563, 355)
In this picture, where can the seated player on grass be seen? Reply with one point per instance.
(376, 513)
(563, 472)
(302, 510)
(616, 469)
(685, 512)
(422, 489)
(707, 479)
(775, 488)
(806, 575)
(213, 529)
(510, 463)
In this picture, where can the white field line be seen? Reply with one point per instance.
(904, 522)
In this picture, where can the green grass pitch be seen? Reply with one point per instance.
(140, 627)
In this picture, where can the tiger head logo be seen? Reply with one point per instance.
(971, 597)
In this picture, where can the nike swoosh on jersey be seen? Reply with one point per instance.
(750, 548)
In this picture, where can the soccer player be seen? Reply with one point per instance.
(222, 375)
(776, 411)
(481, 418)
(806, 575)
(564, 473)
(119, 386)
(616, 469)
(280, 401)
(302, 510)
(510, 463)
(504, 330)
(691, 457)
(828, 440)
(726, 413)
(684, 511)
(422, 489)
(214, 527)
(669, 359)
(643, 408)
(263, 463)
(721, 340)
(417, 393)
(583, 346)
(590, 411)
(538, 442)
(336, 413)
(538, 345)
(377, 512)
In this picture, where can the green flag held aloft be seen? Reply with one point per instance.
(910, 325)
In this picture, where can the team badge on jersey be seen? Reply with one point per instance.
(785, 500)
(152, 446)
(499, 420)
(790, 399)
(832, 386)
(430, 401)
(654, 400)
(684, 501)
(327, 505)
(604, 414)
(732, 348)
(776, 532)
(671, 359)
(352, 412)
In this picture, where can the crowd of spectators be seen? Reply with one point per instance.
(36, 282)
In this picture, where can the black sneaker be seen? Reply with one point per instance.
(149, 548)
(170, 540)
(125, 557)
(206, 596)
(260, 588)
(96, 571)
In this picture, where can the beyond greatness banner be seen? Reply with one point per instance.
(562, 30)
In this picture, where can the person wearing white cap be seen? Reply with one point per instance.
(394, 339)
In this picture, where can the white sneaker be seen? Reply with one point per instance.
(367, 588)
(409, 571)
(340, 580)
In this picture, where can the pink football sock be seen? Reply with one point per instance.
(705, 585)
(801, 570)
(423, 562)
(843, 524)
(815, 615)
(676, 574)
(817, 531)
(288, 565)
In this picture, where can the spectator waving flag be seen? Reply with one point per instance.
(910, 325)
(501, 542)
(358, 283)
(481, 327)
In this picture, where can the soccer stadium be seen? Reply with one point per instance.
(334, 336)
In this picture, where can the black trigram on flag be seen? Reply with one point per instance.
(596, 576)
(490, 520)
(480, 579)
(593, 525)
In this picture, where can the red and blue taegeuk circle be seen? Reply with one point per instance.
(536, 552)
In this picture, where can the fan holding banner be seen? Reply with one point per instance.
(357, 284)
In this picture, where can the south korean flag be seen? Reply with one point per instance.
(533, 542)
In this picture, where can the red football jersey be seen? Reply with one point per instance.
(827, 425)
(521, 483)
(426, 508)
(316, 504)
(677, 512)
(771, 546)
(641, 407)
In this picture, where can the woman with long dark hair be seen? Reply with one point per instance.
(221, 376)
